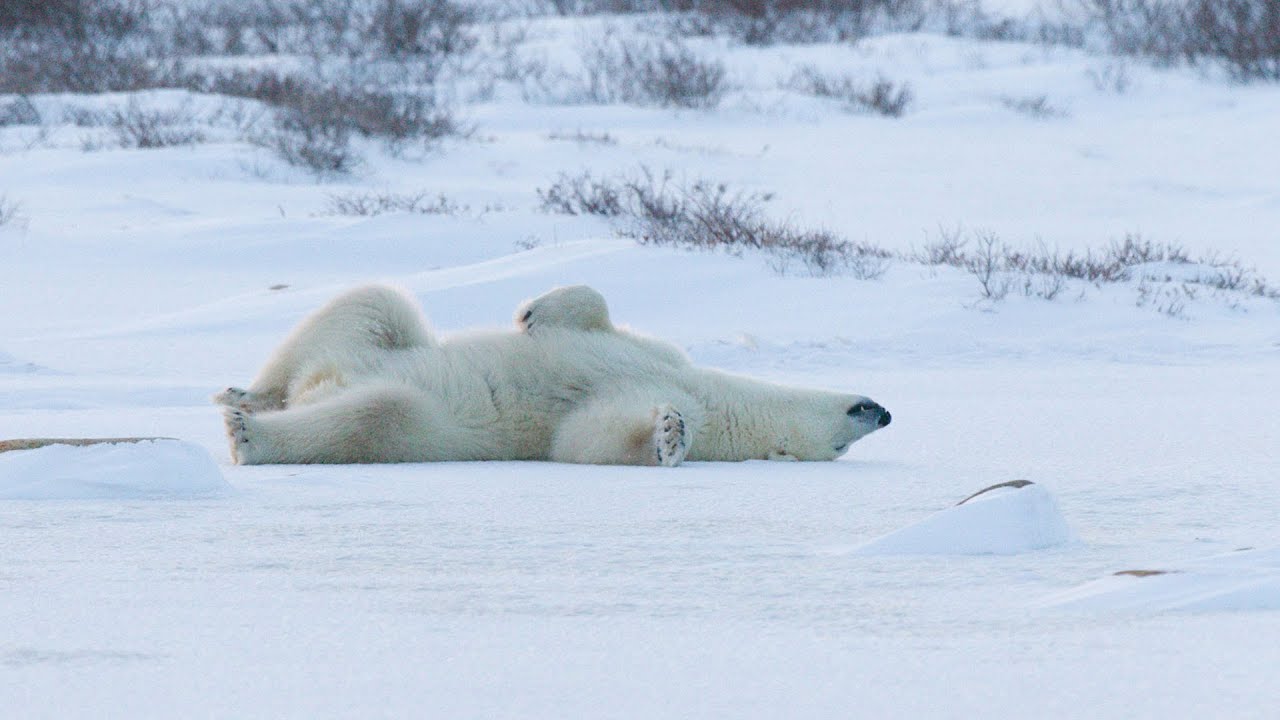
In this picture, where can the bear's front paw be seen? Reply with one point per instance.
(670, 440)
(242, 399)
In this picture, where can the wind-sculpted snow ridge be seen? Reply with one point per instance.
(153, 469)
(1006, 519)
(1248, 579)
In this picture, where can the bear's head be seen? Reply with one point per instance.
(824, 425)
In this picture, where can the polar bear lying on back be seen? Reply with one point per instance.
(363, 380)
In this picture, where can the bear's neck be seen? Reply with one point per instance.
(749, 418)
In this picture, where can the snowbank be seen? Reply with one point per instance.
(168, 469)
(1243, 580)
(1001, 521)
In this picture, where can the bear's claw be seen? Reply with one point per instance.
(669, 437)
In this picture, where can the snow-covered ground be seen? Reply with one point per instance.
(135, 283)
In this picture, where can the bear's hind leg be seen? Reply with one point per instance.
(576, 307)
(623, 431)
(365, 424)
(348, 332)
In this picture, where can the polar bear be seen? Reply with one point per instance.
(362, 380)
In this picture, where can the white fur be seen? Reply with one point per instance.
(363, 380)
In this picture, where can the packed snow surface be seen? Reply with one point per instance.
(137, 283)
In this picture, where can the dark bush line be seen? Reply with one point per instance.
(654, 209)
(1243, 36)
(314, 123)
(126, 45)
(396, 117)
(768, 22)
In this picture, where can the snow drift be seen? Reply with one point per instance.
(1004, 520)
(159, 469)
(1242, 580)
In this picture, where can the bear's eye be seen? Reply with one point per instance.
(862, 407)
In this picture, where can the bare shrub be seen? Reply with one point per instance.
(395, 117)
(1166, 298)
(765, 22)
(421, 28)
(312, 139)
(886, 98)
(84, 117)
(1153, 28)
(49, 67)
(987, 264)
(582, 194)
(597, 7)
(1036, 107)
(74, 20)
(138, 127)
(379, 203)
(79, 46)
(10, 211)
(583, 138)
(1041, 272)
(654, 209)
(314, 122)
(882, 97)
(1243, 36)
(19, 112)
(1110, 77)
(666, 74)
(822, 253)
(427, 31)
(948, 249)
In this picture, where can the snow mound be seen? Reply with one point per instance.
(1242, 580)
(1003, 520)
(153, 469)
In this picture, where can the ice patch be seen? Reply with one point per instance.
(1003, 521)
(1244, 580)
(153, 469)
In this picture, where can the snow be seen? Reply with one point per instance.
(1003, 521)
(152, 469)
(1246, 579)
(140, 282)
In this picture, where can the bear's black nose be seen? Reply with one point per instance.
(885, 418)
